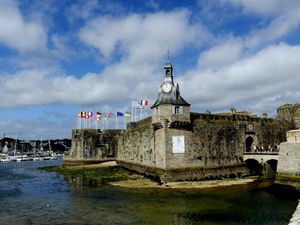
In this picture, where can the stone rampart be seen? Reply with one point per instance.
(136, 145)
(288, 169)
(291, 113)
(214, 145)
(92, 146)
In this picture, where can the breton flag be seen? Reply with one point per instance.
(120, 114)
(127, 114)
(144, 103)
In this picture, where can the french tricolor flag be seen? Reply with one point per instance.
(144, 102)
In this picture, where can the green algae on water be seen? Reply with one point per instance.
(100, 175)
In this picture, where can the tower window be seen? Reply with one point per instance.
(177, 110)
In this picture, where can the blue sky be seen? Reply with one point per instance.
(60, 57)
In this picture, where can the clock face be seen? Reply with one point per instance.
(166, 87)
(250, 126)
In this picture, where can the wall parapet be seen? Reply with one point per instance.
(229, 117)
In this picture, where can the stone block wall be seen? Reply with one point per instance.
(210, 147)
(91, 146)
(136, 145)
(288, 168)
(212, 144)
(293, 136)
(290, 113)
(272, 132)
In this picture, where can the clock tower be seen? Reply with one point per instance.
(170, 105)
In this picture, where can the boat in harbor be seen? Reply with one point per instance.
(12, 154)
(22, 158)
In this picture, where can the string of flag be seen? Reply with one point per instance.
(86, 118)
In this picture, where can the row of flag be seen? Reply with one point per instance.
(98, 115)
(86, 119)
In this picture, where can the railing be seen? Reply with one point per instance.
(261, 153)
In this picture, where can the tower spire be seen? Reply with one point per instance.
(168, 54)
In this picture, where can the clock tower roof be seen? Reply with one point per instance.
(169, 92)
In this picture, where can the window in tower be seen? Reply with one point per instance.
(177, 110)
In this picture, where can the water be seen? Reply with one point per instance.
(31, 196)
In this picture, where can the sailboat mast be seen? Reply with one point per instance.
(15, 149)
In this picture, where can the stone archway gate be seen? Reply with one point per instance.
(260, 156)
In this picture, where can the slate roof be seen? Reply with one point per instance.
(173, 98)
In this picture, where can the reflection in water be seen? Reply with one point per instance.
(29, 196)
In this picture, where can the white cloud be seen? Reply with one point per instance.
(278, 28)
(277, 19)
(117, 84)
(17, 33)
(260, 82)
(264, 8)
(221, 55)
(143, 38)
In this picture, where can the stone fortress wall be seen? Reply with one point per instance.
(290, 112)
(92, 146)
(214, 145)
(288, 169)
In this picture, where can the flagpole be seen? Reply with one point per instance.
(132, 110)
(124, 122)
(77, 121)
(116, 119)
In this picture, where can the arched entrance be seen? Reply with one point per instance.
(273, 164)
(249, 141)
(254, 167)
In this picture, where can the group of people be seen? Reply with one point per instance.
(268, 148)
